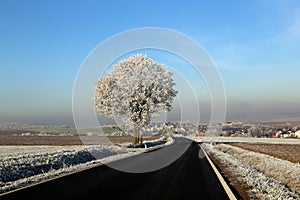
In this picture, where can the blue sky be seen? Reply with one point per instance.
(255, 45)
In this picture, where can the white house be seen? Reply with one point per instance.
(278, 134)
(297, 134)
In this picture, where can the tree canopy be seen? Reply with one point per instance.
(136, 89)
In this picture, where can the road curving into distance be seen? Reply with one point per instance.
(189, 177)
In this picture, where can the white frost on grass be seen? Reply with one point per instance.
(152, 144)
(165, 140)
(62, 171)
(24, 165)
(245, 140)
(284, 171)
(27, 164)
(262, 186)
(15, 151)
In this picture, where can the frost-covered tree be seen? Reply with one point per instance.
(255, 131)
(136, 90)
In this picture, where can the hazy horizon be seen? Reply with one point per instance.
(255, 46)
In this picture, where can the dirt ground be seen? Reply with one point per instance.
(14, 138)
(290, 152)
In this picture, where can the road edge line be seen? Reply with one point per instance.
(220, 177)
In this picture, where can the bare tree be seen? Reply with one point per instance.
(136, 90)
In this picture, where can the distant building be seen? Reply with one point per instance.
(297, 134)
(228, 123)
(278, 133)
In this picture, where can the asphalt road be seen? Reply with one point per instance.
(189, 177)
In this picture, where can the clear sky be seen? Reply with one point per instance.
(255, 45)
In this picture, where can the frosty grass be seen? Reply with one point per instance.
(24, 165)
(262, 186)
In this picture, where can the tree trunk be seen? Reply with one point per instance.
(141, 139)
(135, 138)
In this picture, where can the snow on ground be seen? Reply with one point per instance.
(246, 139)
(19, 163)
(160, 142)
(62, 171)
(284, 171)
(262, 186)
(153, 144)
(24, 165)
(14, 151)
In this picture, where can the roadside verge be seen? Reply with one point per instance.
(221, 179)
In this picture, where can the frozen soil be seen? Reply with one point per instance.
(290, 152)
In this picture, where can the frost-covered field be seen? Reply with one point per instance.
(288, 152)
(246, 140)
(266, 176)
(24, 165)
(286, 172)
(15, 151)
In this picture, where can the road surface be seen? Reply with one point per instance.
(189, 177)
